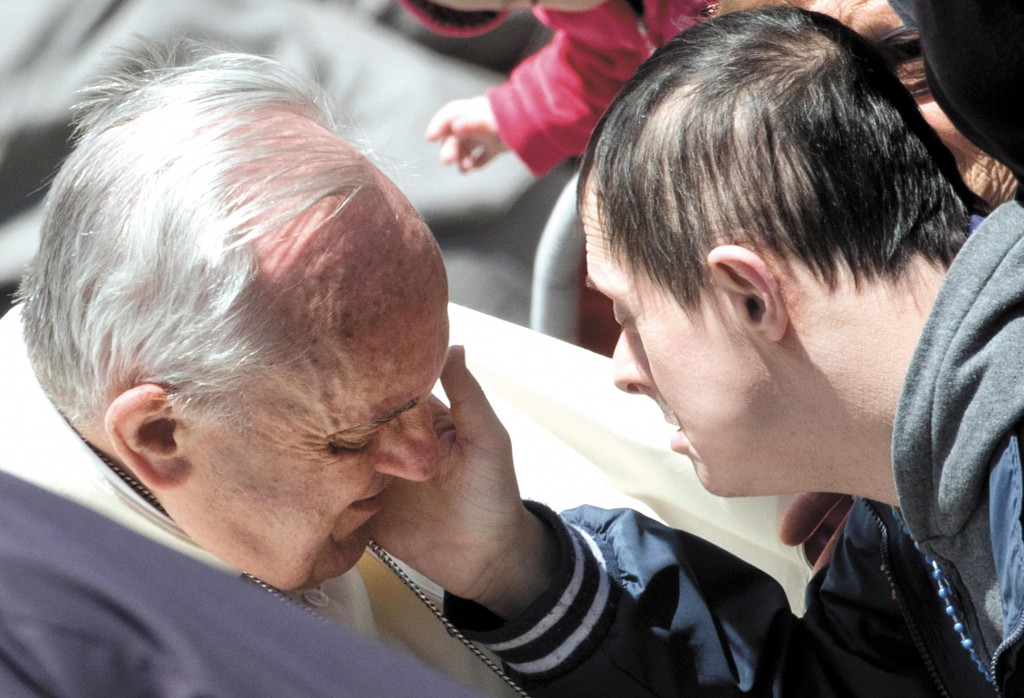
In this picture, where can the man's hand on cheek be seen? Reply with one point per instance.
(467, 528)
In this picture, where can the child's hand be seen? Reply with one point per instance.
(468, 133)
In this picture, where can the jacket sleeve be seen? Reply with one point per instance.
(641, 609)
(552, 100)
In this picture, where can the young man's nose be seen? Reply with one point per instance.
(629, 365)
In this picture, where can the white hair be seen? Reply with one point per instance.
(145, 271)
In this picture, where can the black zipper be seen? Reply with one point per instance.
(1007, 642)
(915, 632)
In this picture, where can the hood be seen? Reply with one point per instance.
(963, 394)
(965, 387)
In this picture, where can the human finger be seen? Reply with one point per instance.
(471, 412)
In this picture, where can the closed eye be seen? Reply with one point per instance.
(357, 439)
(337, 449)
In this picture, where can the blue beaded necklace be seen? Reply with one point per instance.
(948, 597)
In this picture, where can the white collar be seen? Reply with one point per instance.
(133, 497)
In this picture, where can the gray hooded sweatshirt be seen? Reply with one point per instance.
(963, 394)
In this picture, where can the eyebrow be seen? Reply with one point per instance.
(382, 420)
(394, 413)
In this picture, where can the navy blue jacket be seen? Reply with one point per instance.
(679, 617)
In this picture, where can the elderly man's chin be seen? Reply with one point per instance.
(341, 556)
(334, 558)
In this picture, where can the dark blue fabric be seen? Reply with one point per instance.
(1007, 543)
(692, 620)
(90, 609)
(1005, 493)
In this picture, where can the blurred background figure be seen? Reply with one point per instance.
(892, 25)
(548, 108)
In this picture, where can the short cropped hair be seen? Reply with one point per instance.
(146, 270)
(779, 128)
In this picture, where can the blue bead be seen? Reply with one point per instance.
(945, 591)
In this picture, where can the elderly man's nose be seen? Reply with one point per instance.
(411, 451)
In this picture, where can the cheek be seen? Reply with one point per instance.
(266, 511)
(714, 390)
(677, 365)
(296, 500)
(326, 489)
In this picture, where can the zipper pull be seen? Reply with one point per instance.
(888, 575)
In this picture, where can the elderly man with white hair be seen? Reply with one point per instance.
(236, 322)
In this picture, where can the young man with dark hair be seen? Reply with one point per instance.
(786, 244)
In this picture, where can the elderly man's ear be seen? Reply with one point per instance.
(751, 290)
(145, 434)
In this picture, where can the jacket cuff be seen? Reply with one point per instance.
(561, 628)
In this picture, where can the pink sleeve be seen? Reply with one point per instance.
(551, 102)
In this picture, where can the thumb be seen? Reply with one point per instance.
(474, 418)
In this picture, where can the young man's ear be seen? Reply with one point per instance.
(143, 430)
(751, 289)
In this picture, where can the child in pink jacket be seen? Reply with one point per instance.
(552, 100)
